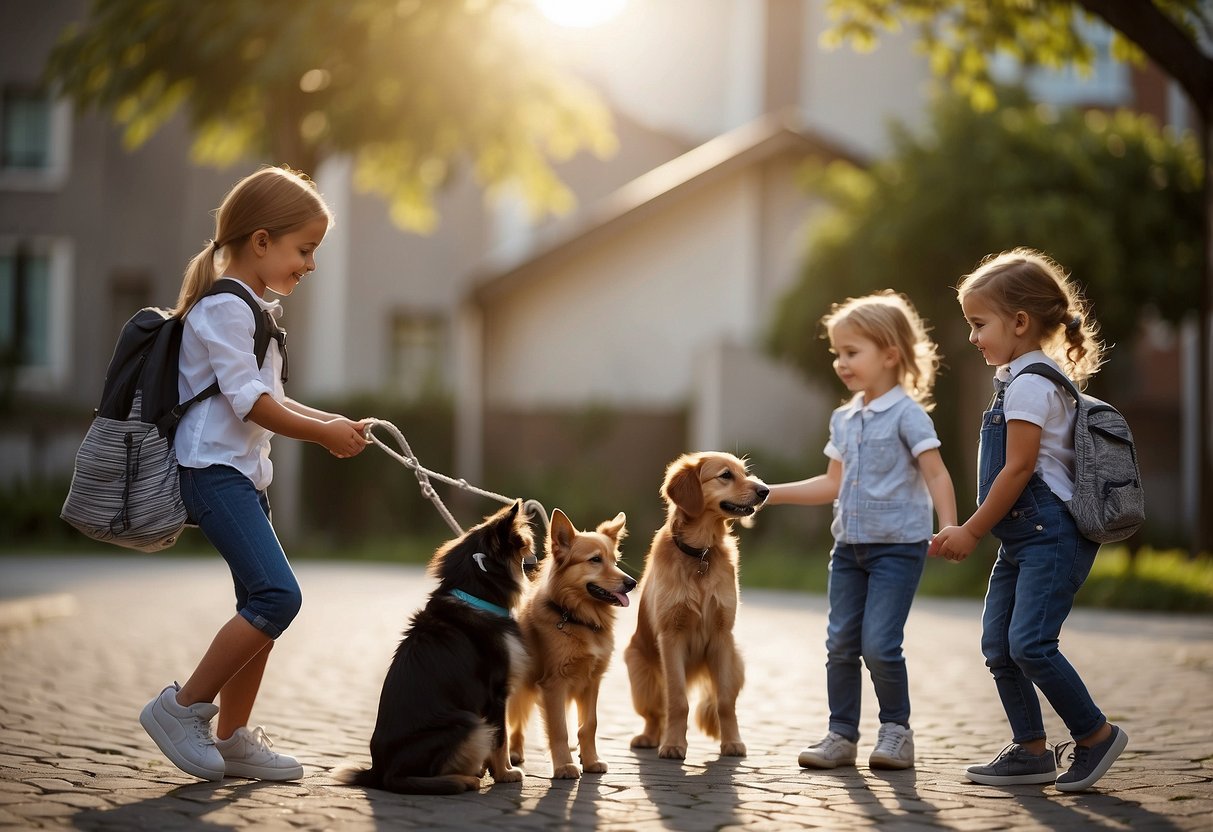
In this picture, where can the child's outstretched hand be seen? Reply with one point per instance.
(344, 438)
(953, 543)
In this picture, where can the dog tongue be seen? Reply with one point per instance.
(623, 599)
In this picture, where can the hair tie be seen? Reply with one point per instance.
(1075, 324)
(215, 245)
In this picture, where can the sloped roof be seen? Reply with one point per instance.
(676, 180)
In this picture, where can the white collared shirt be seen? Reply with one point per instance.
(1037, 400)
(217, 343)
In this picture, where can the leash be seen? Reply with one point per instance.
(408, 459)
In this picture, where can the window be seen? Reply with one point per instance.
(1108, 83)
(34, 310)
(417, 356)
(35, 135)
(24, 307)
(27, 130)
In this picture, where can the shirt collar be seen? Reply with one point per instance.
(879, 404)
(274, 307)
(1008, 371)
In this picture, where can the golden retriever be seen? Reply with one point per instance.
(567, 625)
(688, 604)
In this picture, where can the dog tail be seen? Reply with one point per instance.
(707, 717)
(350, 776)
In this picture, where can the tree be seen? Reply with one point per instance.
(1112, 198)
(412, 90)
(961, 36)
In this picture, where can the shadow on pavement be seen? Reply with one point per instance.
(690, 797)
(1055, 810)
(185, 807)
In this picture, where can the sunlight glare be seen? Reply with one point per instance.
(580, 14)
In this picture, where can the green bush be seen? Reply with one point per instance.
(1164, 581)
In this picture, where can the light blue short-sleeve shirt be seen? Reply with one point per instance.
(883, 497)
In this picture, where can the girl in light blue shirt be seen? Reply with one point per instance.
(884, 475)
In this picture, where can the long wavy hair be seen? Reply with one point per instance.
(1026, 280)
(280, 200)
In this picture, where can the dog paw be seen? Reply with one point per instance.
(595, 767)
(469, 783)
(672, 752)
(516, 758)
(568, 771)
(732, 749)
(643, 741)
(510, 775)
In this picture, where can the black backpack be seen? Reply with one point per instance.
(125, 488)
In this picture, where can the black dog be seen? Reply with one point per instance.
(442, 711)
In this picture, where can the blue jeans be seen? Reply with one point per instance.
(1042, 562)
(871, 588)
(235, 517)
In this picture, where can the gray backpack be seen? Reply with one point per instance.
(1108, 503)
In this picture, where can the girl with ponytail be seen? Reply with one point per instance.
(267, 231)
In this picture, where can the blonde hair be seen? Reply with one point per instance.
(889, 319)
(279, 200)
(1026, 280)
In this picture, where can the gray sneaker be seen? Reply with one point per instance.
(832, 751)
(1091, 763)
(1014, 766)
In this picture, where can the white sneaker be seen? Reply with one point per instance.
(184, 733)
(247, 754)
(832, 751)
(894, 747)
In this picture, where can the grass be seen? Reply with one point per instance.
(1164, 581)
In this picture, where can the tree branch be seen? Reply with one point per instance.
(1169, 46)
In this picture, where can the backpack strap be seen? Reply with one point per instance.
(264, 328)
(1053, 374)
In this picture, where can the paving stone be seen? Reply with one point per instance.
(72, 755)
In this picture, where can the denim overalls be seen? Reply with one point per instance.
(1042, 561)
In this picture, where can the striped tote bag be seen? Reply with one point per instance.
(125, 487)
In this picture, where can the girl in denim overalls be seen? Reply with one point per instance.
(1022, 309)
(884, 474)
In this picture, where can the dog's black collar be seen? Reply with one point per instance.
(700, 555)
(566, 617)
(691, 551)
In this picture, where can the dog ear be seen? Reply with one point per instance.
(682, 487)
(502, 527)
(561, 533)
(615, 529)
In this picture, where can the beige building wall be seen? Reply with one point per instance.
(622, 323)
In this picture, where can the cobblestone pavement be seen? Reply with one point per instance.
(95, 638)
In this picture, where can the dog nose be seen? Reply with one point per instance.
(762, 492)
(629, 583)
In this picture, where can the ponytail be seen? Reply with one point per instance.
(200, 276)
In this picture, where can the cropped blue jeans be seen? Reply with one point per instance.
(871, 588)
(235, 517)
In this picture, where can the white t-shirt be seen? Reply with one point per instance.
(1036, 399)
(217, 343)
